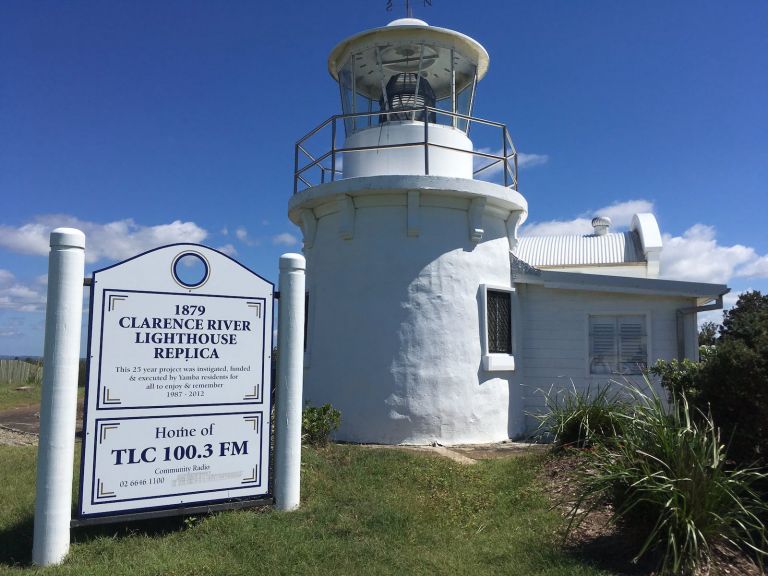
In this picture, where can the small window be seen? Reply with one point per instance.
(617, 345)
(499, 322)
(497, 328)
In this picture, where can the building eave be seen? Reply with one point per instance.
(703, 292)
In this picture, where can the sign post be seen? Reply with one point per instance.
(58, 406)
(179, 393)
(290, 380)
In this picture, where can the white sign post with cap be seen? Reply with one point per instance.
(58, 406)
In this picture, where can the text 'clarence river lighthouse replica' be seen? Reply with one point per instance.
(407, 233)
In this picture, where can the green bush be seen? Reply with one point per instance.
(708, 334)
(579, 419)
(734, 386)
(747, 320)
(731, 380)
(667, 482)
(318, 423)
(679, 377)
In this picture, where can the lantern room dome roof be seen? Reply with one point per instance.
(407, 22)
(406, 32)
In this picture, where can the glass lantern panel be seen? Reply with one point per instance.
(465, 100)
(447, 105)
(345, 86)
(446, 82)
(363, 105)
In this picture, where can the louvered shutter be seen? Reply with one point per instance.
(633, 350)
(603, 350)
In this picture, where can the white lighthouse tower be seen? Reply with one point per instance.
(408, 229)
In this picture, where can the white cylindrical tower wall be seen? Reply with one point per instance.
(450, 157)
(394, 334)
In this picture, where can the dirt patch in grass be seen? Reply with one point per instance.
(25, 421)
(504, 449)
(471, 453)
(601, 543)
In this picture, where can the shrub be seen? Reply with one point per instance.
(318, 423)
(708, 334)
(679, 377)
(747, 320)
(581, 419)
(734, 386)
(667, 482)
(731, 381)
(734, 380)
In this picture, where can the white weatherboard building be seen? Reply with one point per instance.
(429, 318)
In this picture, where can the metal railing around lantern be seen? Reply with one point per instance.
(318, 167)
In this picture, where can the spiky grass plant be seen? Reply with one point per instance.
(581, 418)
(667, 480)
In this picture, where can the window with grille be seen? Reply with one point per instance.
(499, 322)
(617, 345)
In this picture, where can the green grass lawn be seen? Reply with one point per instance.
(12, 398)
(21, 383)
(364, 511)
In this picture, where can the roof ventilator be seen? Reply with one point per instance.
(601, 224)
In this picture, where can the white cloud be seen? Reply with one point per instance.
(30, 238)
(528, 160)
(620, 214)
(558, 227)
(18, 296)
(285, 239)
(11, 327)
(242, 234)
(228, 249)
(112, 241)
(696, 256)
(756, 269)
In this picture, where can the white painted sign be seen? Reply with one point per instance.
(178, 398)
(160, 350)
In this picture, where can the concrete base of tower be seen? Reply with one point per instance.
(395, 335)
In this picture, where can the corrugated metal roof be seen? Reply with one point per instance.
(592, 249)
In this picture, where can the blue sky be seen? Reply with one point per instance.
(145, 123)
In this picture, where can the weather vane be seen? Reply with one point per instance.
(408, 8)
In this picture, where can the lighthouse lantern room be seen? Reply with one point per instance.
(391, 79)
